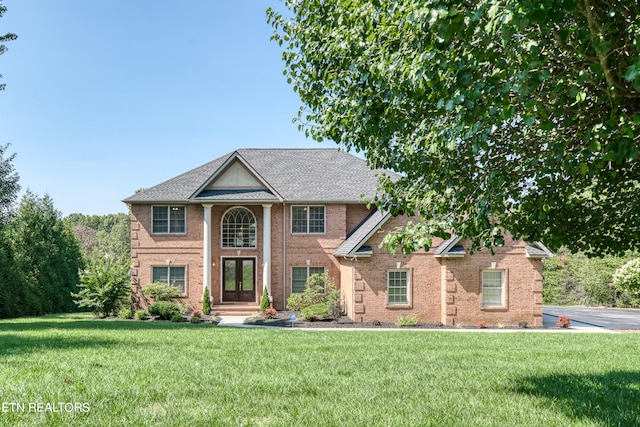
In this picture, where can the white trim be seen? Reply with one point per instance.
(266, 248)
(206, 271)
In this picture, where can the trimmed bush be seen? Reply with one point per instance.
(125, 313)
(161, 291)
(264, 301)
(140, 315)
(195, 319)
(176, 318)
(166, 310)
(408, 320)
(315, 312)
(206, 302)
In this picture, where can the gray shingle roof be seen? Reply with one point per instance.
(450, 248)
(296, 175)
(538, 250)
(363, 232)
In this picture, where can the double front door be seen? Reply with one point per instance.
(239, 276)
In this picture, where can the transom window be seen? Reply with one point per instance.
(307, 219)
(299, 276)
(172, 275)
(239, 229)
(492, 288)
(169, 220)
(397, 287)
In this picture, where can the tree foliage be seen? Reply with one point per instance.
(4, 38)
(519, 116)
(9, 186)
(45, 256)
(104, 234)
(105, 285)
(626, 279)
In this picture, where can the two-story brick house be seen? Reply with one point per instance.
(260, 219)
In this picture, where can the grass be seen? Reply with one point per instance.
(132, 373)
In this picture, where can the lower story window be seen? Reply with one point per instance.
(299, 276)
(171, 275)
(398, 287)
(492, 288)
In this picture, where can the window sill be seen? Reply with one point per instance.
(496, 308)
(399, 306)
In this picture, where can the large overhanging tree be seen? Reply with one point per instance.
(4, 38)
(502, 116)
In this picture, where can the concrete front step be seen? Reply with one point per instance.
(233, 309)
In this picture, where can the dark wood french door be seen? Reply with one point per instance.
(239, 276)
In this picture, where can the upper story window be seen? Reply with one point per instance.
(239, 228)
(169, 220)
(307, 219)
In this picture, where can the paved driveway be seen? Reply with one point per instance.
(607, 318)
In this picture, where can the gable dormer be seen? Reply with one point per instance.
(235, 177)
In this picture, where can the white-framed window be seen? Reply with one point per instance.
(299, 276)
(493, 288)
(308, 219)
(238, 228)
(171, 275)
(169, 220)
(398, 287)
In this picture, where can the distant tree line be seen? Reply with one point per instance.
(575, 279)
(42, 254)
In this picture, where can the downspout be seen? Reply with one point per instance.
(284, 256)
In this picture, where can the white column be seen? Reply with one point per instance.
(206, 258)
(266, 247)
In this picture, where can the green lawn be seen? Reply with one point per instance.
(127, 373)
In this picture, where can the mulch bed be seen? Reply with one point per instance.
(282, 320)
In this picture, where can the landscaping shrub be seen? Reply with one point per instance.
(481, 324)
(270, 313)
(125, 313)
(140, 315)
(264, 301)
(564, 322)
(195, 319)
(320, 289)
(161, 291)
(166, 310)
(177, 318)
(315, 312)
(408, 320)
(206, 302)
(105, 285)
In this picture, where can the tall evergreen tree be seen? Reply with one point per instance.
(47, 253)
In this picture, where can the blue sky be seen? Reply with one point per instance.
(105, 97)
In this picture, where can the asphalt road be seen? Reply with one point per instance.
(608, 318)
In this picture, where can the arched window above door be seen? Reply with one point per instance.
(238, 228)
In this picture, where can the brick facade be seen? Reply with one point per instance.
(446, 290)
